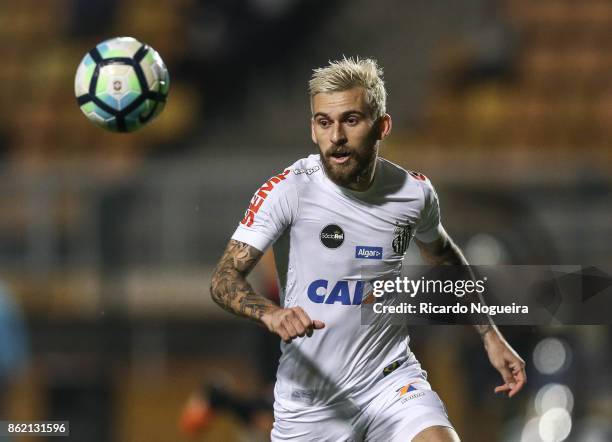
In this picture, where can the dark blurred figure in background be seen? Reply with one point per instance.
(212, 399)
(253, 415)
(13, 346)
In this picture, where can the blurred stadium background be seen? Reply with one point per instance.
(107, 241)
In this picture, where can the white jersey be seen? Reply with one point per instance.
(329, 244)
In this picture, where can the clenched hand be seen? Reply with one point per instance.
(290, 323)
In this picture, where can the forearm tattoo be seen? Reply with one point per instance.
(229, 287)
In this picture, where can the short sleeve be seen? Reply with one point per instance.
(272, 209)
(430, 226)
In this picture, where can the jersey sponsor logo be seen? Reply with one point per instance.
(405, 389)
(365, 252)
(332, 236)
(401, 238)
(321, 291)
(303, 395)
(308, 171)
(408, 389)
(260, 196)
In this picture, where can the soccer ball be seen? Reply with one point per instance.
(121, 84)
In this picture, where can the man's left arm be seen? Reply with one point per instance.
(443, 251)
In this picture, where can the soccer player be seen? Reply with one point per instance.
(339, 220)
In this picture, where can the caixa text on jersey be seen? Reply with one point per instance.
(321, 291)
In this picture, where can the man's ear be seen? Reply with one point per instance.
(384, 126)
(312, 131)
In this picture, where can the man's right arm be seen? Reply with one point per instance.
(229, 287)
(231, 290)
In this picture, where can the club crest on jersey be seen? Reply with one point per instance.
(332, 236)
(401, 238)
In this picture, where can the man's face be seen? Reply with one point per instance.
(347, 136)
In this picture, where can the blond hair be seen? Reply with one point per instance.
(340, 75)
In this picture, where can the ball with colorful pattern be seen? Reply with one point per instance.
(121, 84)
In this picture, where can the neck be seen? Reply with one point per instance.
(364, 180)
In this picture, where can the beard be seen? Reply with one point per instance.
(354, 173)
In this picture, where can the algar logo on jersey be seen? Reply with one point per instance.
(367, 252)
(260, 196)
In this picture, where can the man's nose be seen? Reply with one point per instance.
(338, 137)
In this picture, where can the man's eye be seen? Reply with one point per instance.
(352, 120)
(323, 123)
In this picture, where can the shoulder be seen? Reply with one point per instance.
(277, 196)
(303, 172)
(306, 169)
(408, 178)
(291, 178)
